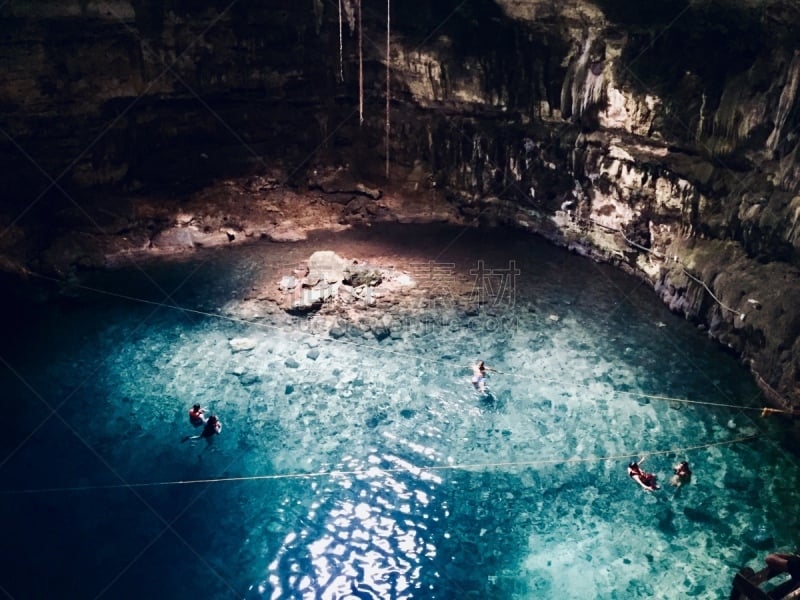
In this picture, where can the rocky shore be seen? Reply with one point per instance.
(752, 316)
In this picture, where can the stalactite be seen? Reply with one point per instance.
(360, 70)
(388, 88)
(341, 48)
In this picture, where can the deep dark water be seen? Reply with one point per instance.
(528, 496)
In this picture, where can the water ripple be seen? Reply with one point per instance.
(364, 536)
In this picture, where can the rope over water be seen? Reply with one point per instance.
(418, 469)
(660, 256)
(765, 411)
(373, 470)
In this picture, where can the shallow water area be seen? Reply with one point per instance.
(359, 465)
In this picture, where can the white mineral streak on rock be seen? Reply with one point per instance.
(423, 73)
(786, 102)
(536, 10)
(740, 112)
(794, 232)
(585, 83)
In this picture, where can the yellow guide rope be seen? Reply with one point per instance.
(765, 411)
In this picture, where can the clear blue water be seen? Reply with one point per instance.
(417, 487)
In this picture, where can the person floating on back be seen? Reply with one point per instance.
(212, 427)
(197, 416)
(644, 479)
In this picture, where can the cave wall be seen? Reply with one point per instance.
(660, 137)
(665, 142)
(141, 94)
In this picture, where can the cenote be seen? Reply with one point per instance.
(350, 466)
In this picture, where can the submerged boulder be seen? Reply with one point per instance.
(242, 344)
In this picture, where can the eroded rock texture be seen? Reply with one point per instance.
(660, 136)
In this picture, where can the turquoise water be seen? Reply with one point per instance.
(416, 486)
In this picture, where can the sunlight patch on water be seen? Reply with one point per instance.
(391, 476)
(365, 535)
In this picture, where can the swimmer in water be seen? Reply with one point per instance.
(197, 416)
(644, 479)
(212, 427)
(479, 376)
(683, 474)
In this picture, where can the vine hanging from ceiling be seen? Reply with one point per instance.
(350, 10)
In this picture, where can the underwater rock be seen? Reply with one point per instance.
(759, 539)
(337, 332)
(698, 515)
(380, 331)
(248, 379)
(242, 344)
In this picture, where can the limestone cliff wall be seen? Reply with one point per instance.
(665, 143)
(661, 137)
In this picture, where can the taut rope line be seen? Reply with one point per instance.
(658, 255)
(371, 470)
(765, 411)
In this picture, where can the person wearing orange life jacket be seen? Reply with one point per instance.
(197, 415)
(212, 427)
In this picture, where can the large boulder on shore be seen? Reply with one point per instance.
(325, 266)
